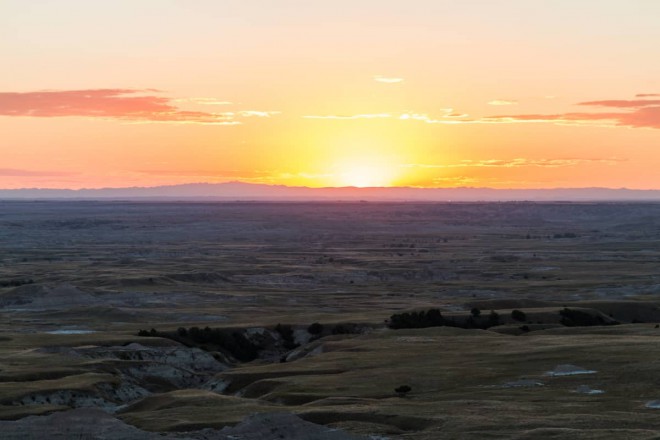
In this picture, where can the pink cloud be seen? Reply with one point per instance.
(135, 105)
(637, 113)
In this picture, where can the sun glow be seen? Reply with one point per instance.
(365, 175)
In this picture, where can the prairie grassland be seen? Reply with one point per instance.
(114, 268)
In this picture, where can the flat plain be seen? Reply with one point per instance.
(185, 318)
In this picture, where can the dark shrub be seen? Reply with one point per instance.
(579, 318)
(402, 390)
(315, 329)
(493, 318)
(518, 315)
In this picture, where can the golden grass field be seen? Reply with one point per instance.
(80, 279)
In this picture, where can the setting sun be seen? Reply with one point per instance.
(365, 175)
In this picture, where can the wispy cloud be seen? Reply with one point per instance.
(257, 113)
(204, 101)
(635, 113)
(449, 114)
(388, 79)
(502, 102)
(455, 181)
(131, 105)
(350, 117)
(647, 95)
(517, 162)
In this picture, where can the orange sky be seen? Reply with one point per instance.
(437, 93)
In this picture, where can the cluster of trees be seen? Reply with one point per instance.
(286, 333)
(228, 341)
(434, 318)
(421, 319)
(579, 318)
(234, 342)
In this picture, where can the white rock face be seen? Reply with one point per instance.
(72, 398)
(585, 389)
(188, 359)
(301, 336)
(523, 383)
(568, 370)
(139, 370)
(180, 367)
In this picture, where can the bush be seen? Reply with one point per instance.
(433, 318)
(402, 390)
(493, 318)
(579, 318)
(315, 329)
(286, 332)
(422, 319)
(518, 315)
(345, 329)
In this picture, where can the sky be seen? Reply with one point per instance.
(424, 93)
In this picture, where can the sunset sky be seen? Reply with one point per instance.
(430, 93)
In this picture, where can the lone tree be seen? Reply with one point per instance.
(475, 312)
(402, 390)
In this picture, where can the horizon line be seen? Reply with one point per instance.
(357, 188)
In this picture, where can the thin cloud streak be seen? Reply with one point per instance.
(516, 163)
(501, 102)
(350, 117)
(257, 113)
(388, 79)
(422, 117)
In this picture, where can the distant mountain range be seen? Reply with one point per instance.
(259, 192)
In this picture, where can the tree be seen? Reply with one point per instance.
(402, 390)
(475, 312)
(518, 315)
(493, 318)
(315, 329)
